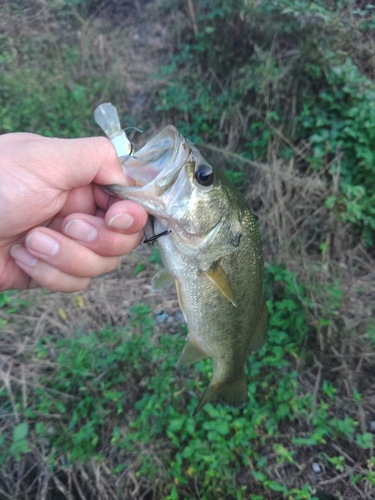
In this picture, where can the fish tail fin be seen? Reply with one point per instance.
(233, 394)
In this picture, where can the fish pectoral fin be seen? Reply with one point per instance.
(220, 279)
(260, 333)
(191, 353)
(180, 296)
(233, 394)
(161, 280)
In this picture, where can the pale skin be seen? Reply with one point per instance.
(58, 228)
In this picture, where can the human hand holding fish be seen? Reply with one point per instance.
(210, 246)
(57, 227)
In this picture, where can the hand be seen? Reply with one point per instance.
(57, 227)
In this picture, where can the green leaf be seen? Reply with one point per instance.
(259, 476)
(20, 431)
(365, 440)
(176, 424)
(18, 448)
(139, 268)
(275, 486)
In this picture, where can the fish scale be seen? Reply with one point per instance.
(211, 250)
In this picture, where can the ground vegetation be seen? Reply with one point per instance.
(281, 95)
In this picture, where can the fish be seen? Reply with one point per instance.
(211, 249)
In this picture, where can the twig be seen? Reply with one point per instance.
(79, 490)
(317, 384)
(192, 17)
(62, 488)
(24, 387)
(6, 376)
(340, 450)
(5, 495)
(285, 139)
(336, 478)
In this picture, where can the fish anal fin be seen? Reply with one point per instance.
(210, 393)
(191, 353)
(260, 333)
(217, 275)
(161, 280)
(233, 393)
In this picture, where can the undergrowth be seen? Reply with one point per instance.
(114, 396)
(103, 413)
(285, 83)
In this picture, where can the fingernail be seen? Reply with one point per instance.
(121, 221)
(81, 230)
(42, 243)
(21, 255)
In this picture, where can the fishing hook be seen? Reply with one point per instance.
(152, 240)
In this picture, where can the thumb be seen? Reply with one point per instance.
(66, 163)
(86, 160)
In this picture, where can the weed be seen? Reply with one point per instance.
(116, 392)
(247, 102)
(10, 303)
(94, 412)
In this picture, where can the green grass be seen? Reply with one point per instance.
(114, 396)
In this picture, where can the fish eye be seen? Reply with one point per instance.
(204, 175)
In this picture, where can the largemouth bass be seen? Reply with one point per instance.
(210, 246)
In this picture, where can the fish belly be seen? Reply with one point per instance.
(221, 330)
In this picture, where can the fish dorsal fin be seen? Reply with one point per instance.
(161, 280)
(191, 353)
(220, 279)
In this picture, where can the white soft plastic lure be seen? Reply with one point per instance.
(107, 118)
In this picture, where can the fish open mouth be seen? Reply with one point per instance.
(152, 171)
(158, 161)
